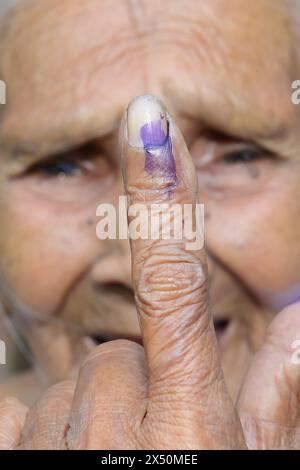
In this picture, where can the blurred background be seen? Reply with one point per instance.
(13, 357)
(4, 4)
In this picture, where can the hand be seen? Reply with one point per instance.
(171, 393)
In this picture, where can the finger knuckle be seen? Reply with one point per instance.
(59, 391)
(10, 404)
(112, 351)
(171, 279)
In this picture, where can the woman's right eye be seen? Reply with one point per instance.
(58, 168)
(87, 161)
(73, 177)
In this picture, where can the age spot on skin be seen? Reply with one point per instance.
(89, 221)
(254, 172)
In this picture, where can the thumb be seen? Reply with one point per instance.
(270, 396)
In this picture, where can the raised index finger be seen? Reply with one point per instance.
(169, 269)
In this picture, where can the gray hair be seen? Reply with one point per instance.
(294, 6)
(5, 5)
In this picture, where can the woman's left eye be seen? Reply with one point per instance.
(244, 156)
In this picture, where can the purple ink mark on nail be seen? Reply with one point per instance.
(158, 150)
(152, 134)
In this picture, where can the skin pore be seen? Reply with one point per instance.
(227, 86)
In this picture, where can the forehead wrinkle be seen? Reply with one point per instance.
(257, 69)
(137, 15)
(52, 141)
(165, 29)
(71, 88)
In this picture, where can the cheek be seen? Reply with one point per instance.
(258, 240)
(44, 248)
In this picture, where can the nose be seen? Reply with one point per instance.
(114, 266)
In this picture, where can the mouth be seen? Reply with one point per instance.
(115, 292)
(105, 338)
(222, 327)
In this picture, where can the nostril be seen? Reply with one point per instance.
(115, 288)
(221, 325)
(98, 339)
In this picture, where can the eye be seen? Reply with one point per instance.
(87, 161)
(61, 168)
(244, 156)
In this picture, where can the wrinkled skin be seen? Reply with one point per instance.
(227, 87)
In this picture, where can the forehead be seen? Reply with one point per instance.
(77, 59)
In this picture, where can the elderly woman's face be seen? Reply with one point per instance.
(224, 68)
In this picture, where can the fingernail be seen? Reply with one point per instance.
(148, 129)
(147, 124)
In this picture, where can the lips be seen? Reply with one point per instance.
(221, 326)
(112, 291)
(104, 338)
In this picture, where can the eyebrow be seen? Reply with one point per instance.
(21, 154)
(259, 131)
(47, 146)
(60, 138)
